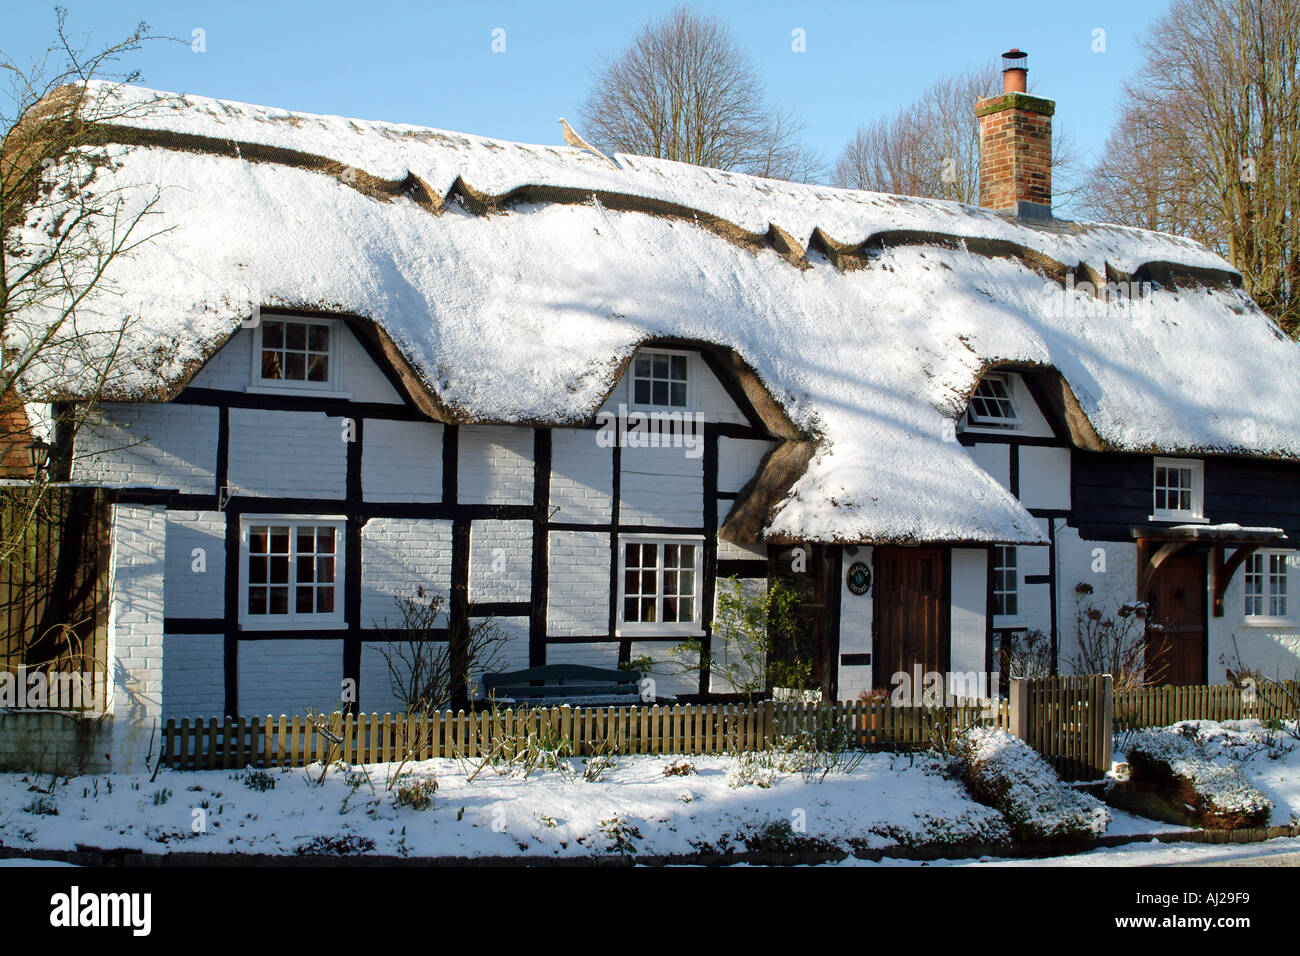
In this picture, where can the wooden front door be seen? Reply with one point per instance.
(1176, 647)
(911, 621)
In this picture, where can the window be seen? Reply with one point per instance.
(295, 353)
(1266, 585)
(661, 379)
(292, 572)
(1178, 494)
(1006, 582)
(659, 586)
(992, 404)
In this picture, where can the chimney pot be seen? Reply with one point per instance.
(1015, 70)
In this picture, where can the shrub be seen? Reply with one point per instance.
(681, 767)
(1174, 761)
(417, 794)
(343, 844)
(1005, 772)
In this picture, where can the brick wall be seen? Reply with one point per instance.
(159, 446)
(578, 595)
(1015, 150)
(195, 585)
(401, 461)
(397, 556)
(287, 454)
(500, 561)
(496, 465)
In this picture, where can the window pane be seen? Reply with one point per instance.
(306, 569)
(686, 606)
(679, 394)
(325, 600)
(272, 367)
(304, 603)
(643, 367)
(670, 610)
(257, 600)
(279, 570)
(295, 366)
(318, 338)
(648, 610)
(630, 606)
(325, 570)
(273, 335)
(295, 336)
(660, 393)
(660, 366)
(279, 600)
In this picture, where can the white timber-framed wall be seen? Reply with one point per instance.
(523, 524)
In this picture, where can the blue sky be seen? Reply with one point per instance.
(433, 64)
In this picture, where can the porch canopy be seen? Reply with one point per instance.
(1156, 545)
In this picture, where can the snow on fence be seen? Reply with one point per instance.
(1162, 706)
(657, 729)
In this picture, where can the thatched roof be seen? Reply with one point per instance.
(511, 283)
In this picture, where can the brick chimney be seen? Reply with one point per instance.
(1016, 145)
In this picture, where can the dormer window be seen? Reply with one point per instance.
(662, 379)
(1179, 490)
(993, 404)
(293, 353)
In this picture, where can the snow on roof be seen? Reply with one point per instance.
(528, 316)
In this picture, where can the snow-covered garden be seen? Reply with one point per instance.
(542, 805)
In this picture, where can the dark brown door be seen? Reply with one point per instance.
(911, 626)
(1176, 648)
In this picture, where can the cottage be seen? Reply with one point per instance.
(572, 395)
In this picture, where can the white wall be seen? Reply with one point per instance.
(738, 461)
(189, 592)
(1044, 476)
(582, 477)
(194, 676)
(290, 676)
(287, 454)
(995, 458)
(969, 609)
(856, 614)
(579, 585)
(495, 465)
(500, 560)
(1080, 560)
(157, 446)
(401, 461)
(661, 487)
(397, 556)
(1273, 649)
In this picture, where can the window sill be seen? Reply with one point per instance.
(297, 390)
(293, 625)
(1179, 519)
(1271, 623)
(634, 631)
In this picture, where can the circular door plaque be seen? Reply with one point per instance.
(858, 577)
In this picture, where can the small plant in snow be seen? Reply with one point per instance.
(681, 767)
(416, 794)
(43, 805)
(259, 780)
(160, 797)
(620, 834)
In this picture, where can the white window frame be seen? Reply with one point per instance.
(293, 620)
(331, 388)
(1196, 515)
(659, 628)
(692, 381)
(1011, 382)
(1288, 560)
(1005, 620)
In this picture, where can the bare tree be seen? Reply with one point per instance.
(1207, 144)
(932, 146)
(61, 229)
(685, 90)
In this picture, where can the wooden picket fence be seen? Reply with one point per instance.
(1161, 706)
(1068, 720)
(679, 729)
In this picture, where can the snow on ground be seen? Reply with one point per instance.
(1150, 853)
(887, 799)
